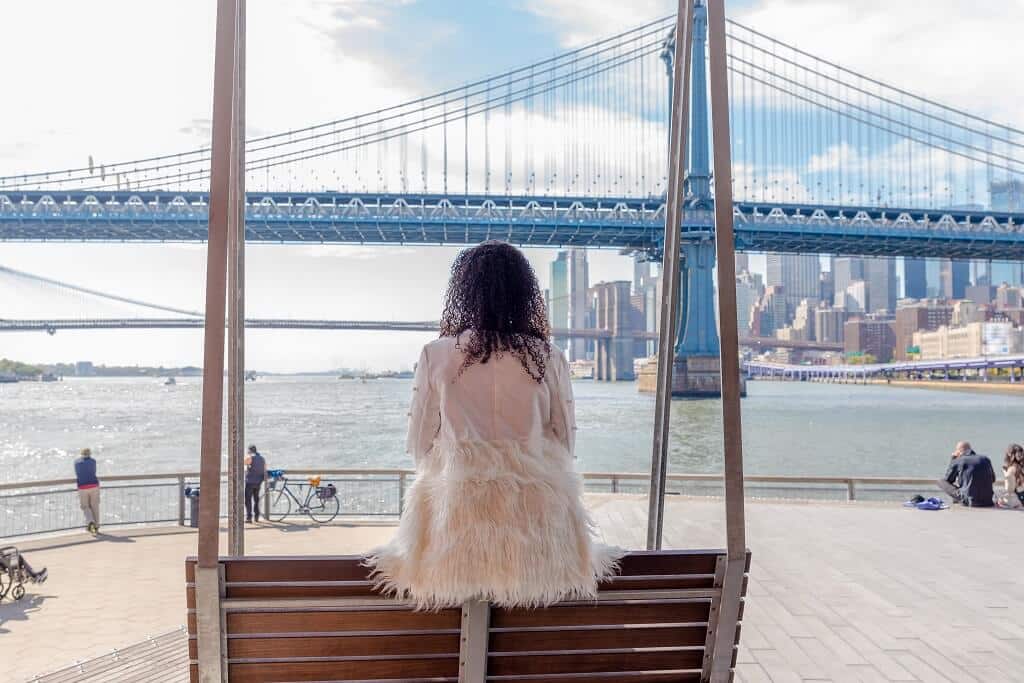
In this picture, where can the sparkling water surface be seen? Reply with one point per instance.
(141, 426)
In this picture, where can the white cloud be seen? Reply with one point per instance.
(582, 21)
(961, 53)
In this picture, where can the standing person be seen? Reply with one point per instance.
(1013, 478)
(255, 473)
(88, 490)
(495, 512)
(969, 477)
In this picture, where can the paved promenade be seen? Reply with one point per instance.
(838, 592)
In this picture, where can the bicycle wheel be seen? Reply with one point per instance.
(324, 510)
(280, 505)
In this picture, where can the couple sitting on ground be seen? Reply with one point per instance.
(970, 478)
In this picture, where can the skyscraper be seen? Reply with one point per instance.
(558, 297)
(742, 262)
(748, 290)
(880, 279)
(915, 278)
(933, 278)
(845, 271)
(579, 301)
(953, 278)
(799, 277)
(1005, 272)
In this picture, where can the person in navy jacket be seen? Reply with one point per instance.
(88, 490)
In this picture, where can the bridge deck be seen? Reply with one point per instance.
(542, 221)
(840, 592)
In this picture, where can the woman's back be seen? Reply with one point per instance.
(496, 510)
(490, 402)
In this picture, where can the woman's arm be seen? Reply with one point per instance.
(424, 412)
(563, 407)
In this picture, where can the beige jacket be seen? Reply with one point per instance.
(495, 512)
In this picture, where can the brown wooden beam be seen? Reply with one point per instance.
(670, 269)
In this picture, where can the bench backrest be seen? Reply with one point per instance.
(319, 618)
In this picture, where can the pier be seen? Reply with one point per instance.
(839, 591)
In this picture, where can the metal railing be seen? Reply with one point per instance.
(38, 507)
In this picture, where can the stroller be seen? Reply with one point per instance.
(14, 572)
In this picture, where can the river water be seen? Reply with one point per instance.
(139, 425)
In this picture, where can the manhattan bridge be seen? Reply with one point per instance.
(571, 151)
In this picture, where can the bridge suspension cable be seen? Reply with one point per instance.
(29, 277)
(591, 122)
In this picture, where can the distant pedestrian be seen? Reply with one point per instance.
(969, 477)
(88, 490)
(255, 472)
(1013, 479)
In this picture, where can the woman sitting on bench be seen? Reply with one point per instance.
(495, 512)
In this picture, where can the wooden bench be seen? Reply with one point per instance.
(319, 619)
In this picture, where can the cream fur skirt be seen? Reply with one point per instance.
(493, 521)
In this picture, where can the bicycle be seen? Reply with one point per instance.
(320, 503)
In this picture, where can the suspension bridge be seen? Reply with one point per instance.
(35, 288)
(572, 151)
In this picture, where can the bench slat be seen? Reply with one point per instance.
(350, 567)
(596, 639)
(344, 646)
(662, 612)
(343, 671)
(316, 620)
(588, 662)
(612, 677)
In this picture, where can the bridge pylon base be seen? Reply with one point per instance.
(692, 377)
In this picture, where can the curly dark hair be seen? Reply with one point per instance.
(493, 293)
(1015, 458)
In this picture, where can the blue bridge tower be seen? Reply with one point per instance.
(696, 371)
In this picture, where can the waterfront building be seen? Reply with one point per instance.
(966, 312)
(970, 341)
(828, 323)
(558, 297)
(918, 317)
(881, 285)
(84, 368)
(869, 336)
(954, 277)
(749, 288)
(799, 276)
(845, 271)
(915, 278)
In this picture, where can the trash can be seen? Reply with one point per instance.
(192, 493)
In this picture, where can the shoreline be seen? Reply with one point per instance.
(1004, 388)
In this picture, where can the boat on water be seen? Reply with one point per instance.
(170, 382)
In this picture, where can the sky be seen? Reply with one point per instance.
(119, 79)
